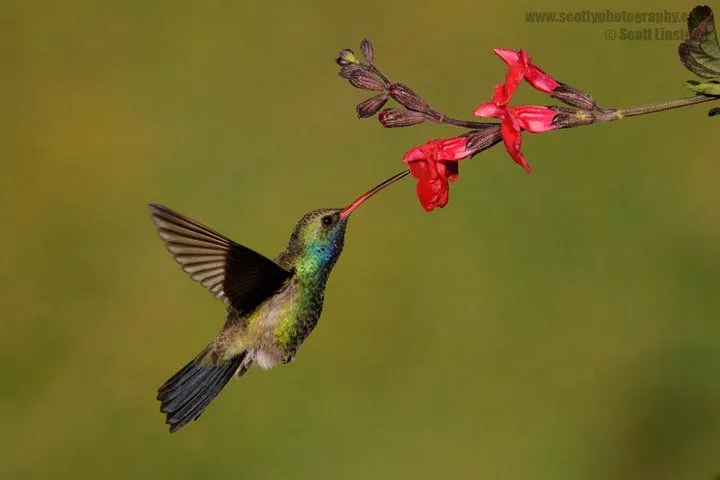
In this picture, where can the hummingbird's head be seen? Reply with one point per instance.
(318, 240)
(319, 236)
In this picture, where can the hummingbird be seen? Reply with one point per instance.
(272, 305)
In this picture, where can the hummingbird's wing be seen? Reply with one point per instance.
(233, 273)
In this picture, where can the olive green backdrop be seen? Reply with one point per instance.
(559, 325)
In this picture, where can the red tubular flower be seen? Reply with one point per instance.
(434, 164)
(533, 118)
(522, 68)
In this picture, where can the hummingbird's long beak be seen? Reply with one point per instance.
(345, 213)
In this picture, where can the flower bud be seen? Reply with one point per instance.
(396, 117)
(371, 106)
(484, 138)
(571, 117)
(346, 57)
(347, 70)
(367, 50)
(406, 97)
(365, 80)
(574, 97)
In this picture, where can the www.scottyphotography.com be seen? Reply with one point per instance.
(606, 16)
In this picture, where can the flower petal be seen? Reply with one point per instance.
(540, 80)
(444, 195)
(533, 118)
(415, 153)
(426, 195)
(511, 57)
(524, 58)
(449, 170)
(434, 164)
(513, 79)
(513, 141)
(419, 169)
(453, 149)
(521, 67)
(499, 96)
(490, 110)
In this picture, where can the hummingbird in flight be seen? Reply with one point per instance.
(272, 305)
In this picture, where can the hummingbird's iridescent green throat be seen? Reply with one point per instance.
(272, 305)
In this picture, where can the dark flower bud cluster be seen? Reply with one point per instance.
(365, 75)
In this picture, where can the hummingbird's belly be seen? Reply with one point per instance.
(265, 359)
(275, 330)
(271, 328)
(265, 348)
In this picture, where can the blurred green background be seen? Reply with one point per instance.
(559, 325)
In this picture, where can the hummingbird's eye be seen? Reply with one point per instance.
(327, 220)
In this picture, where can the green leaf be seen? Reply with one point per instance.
(709, 87)
(700, 53)
(714, 111)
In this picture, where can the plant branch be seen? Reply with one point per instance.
(439, 117)
(661, 107)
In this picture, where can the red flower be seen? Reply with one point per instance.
(522, 68)
(434, 164)
(533, 118)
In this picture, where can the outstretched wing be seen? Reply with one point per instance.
(232, 273)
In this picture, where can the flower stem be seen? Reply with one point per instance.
(382, 76)
(439, 117)
(661, 107)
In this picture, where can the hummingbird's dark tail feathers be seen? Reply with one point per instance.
(187, 393)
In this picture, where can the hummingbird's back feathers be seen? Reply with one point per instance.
(233, 273)
(187, 393)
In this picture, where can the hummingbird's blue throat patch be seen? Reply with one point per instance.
(320, 252)
(323, 253)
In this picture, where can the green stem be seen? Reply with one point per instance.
(661, 107)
